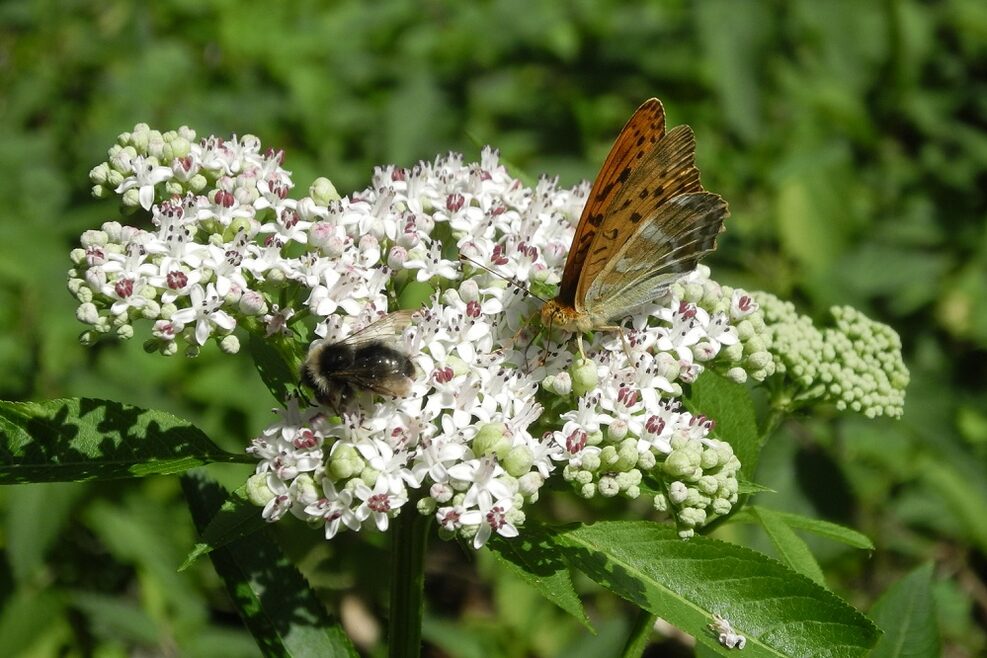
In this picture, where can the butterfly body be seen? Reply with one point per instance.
(647, 222)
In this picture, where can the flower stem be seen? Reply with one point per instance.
(410, 537)
(640, 633)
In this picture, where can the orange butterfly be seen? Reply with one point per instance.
(647, 222)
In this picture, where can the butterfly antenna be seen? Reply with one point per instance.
(509, 280)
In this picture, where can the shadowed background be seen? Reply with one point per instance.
(849, 139)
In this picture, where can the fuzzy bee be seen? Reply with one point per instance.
(369, 360)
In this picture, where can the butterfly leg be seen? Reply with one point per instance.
(579, 344)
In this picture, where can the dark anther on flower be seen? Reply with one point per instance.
(277, 156)
(280, 187)
(627, 396)
(225, 199)
(124, 287)
(185, 163)
(95, 255)
(687, 310)
(379, 503)
(455, 202)
(176, 279)
(444, 375)
(399, 174)
(655, 425)
(576, 441)
(289, 217)
(306, 440)
(473, 309)
(496, 517)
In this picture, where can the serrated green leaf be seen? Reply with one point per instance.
(780, 612)
(748, 487)
(535, 559)
(83, 439)
(237, 518)
(907, 615)
(730, 405)
(793, 551)
(276, 603)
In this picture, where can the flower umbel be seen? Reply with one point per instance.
(494, 411)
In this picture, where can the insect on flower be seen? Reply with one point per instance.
(370, 360)
(647, 222)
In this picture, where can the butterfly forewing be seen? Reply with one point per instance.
(667, 172)
(636, 140)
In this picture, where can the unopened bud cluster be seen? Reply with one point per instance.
(855, 365)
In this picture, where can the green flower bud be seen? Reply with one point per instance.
(584, 376)
(426, 506)
(344, 463)
(131, 198)
(229, 344)
(198, 183)
(608, 486)
(257, 490)
(519, 461)
(491, 439)
(323, 192)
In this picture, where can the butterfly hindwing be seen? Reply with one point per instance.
(674, 239)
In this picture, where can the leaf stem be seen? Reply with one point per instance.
(410, 538)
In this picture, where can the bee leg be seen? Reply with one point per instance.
(579, 344)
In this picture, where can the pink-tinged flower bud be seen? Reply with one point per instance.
(396, 257)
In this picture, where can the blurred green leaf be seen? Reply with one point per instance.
(730, 405)
(793, 551)
(906, 613)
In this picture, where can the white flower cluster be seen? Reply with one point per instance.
(497, 408)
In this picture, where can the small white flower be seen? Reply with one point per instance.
(205, 312)
(146, 173)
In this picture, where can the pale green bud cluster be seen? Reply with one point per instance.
(855, 365)
(699, 479)
(159, 148)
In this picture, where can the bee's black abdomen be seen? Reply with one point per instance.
(383, 361)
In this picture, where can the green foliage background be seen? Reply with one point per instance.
(850, 139)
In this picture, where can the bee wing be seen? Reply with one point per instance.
(387, 330)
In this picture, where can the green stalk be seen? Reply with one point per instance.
(637, 640)
(410, 538)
